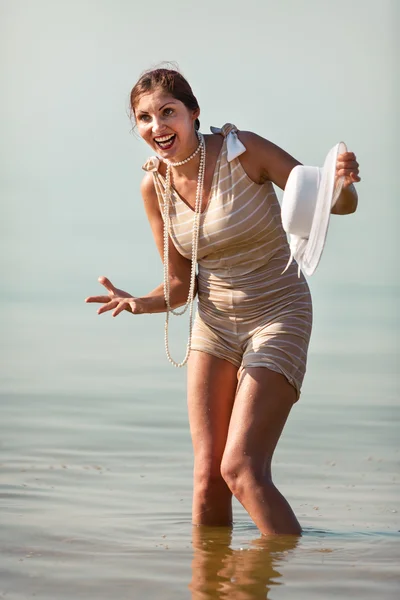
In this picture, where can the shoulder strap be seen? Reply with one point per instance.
(151, 164)
(233, 145)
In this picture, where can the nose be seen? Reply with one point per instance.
(158, 126)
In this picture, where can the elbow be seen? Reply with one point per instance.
(179, 291)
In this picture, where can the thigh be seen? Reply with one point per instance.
(262, 405)
(281, 345)
(212, 386)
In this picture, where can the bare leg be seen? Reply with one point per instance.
(211, 391)
(262, 405)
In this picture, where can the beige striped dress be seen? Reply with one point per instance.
(249, 312)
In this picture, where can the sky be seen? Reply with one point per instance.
(303, 73)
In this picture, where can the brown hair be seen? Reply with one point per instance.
(171, 82)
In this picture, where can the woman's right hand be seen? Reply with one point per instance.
(116, 300)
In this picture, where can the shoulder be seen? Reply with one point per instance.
(149, 195)
(253, 140)
(147, 185)
(147, 188)
(266, 160)
(256, 144)
(214, 142)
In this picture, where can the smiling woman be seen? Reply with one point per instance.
(169, 81)
(158, 115)
(170, 105)
(211, 203)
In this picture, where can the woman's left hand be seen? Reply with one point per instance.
(347, 167)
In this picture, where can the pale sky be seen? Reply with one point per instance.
(302, 73)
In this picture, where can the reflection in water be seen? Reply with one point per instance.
(220, 572)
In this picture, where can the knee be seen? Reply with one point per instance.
(241, 475)
(207, 475)
(235, 473)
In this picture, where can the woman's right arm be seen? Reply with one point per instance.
(179, 269)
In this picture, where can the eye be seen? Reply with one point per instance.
(144, 118)
(168, 111)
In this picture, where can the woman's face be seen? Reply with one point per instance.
(166, 125)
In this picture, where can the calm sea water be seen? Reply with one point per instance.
(96, 463)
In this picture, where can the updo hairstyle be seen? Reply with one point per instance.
(171, 82)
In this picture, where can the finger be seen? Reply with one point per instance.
(347, 164)
(353, 178)
(347, 156)
(123, 305)
(107, 284)
(102, 299)
(106, 307)
(346, 173)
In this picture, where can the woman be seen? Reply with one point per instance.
(247, 351)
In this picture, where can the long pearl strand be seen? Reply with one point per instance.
(195, 243)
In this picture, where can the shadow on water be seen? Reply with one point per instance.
(221, 572)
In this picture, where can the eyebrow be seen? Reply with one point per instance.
(144, 112)
(170, 102)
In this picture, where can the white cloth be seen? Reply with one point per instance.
(233, 145)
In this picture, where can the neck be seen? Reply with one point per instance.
(189, 171)
(189, 159)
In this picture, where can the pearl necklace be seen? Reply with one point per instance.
(195, 243)
(183, 162)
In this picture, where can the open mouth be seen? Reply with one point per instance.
(166, 142)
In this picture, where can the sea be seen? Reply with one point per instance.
(96, 458)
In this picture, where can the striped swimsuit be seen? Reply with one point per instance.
(249, 313)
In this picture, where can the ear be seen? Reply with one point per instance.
(196, 114)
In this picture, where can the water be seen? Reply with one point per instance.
(96, 459)
(96, 486)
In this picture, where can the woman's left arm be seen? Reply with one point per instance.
(264, 161)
